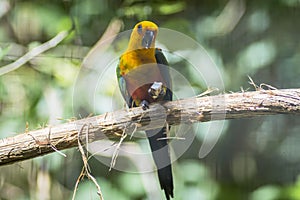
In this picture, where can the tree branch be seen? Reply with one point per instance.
(35, 52)
(112, 125)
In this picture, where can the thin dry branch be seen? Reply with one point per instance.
(103, 43)
(111, 125)
(85, 169)
(35, 52)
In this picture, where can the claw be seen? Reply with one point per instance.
(145, 105)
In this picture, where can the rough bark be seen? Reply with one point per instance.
(112, 125)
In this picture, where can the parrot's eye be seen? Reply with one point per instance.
(140, 29)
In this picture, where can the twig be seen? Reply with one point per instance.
(80, 177)
(86, 169)
(116, 152)
(251, 82)
(208, 91)
(45, 142)
(134, 130)
(269, 87)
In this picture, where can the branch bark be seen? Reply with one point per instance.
(112, 125)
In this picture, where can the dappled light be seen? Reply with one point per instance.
(58, 63)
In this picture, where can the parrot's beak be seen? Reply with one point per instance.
(148, 39)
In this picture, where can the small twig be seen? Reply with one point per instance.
(106, 149)
(136, 125)
(47, 142)
(52, 146)
(268, 86)
(57, 151)
(80, 177)
(26, 127)
(251, 82)
(134, 130)
(123, 136)
(116, 152)
(208, 91)
(85, 170)
(171, 138)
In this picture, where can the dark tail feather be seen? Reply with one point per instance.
(161, 156)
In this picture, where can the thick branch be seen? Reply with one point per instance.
(112, 125)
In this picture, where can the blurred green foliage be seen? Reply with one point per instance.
(254, 158)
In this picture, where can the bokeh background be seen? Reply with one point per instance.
(254, 159)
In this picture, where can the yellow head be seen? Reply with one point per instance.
(143, 36)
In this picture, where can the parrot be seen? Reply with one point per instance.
(143, 79)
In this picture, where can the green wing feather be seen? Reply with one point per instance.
(123, 88)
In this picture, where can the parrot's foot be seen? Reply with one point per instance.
(145, 105)
(157, 90)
